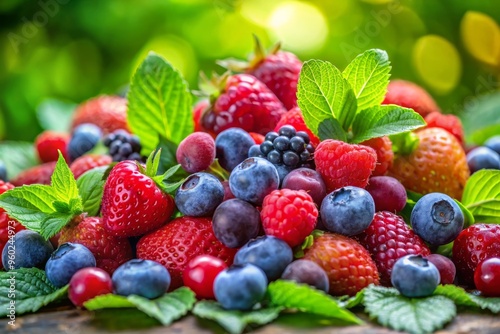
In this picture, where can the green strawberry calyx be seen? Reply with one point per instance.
(166, 181)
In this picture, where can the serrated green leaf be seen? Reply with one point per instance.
(463, 298)
(63, 181)
(307, 299)
(384, 120)
(166, 309)
(330, 128)
(32, 291)
(159, 103)
(235, 322)
(91, 186)
(369, 75)
(17, 156)
(413, 315)
(323, 93)
(482, 195)
(55, 115)
(487, 303)
(351, 302)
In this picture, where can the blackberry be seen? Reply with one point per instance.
(123, 146)
(287, 149)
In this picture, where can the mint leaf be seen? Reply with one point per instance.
(55, 115)
(323, 93)
(369, 75)
(32, 291)
(63, 181)
(330, 128)
(384, 120)
(235, 322)
(159, 103)
(17, 156)
(413, 315)
(307, 299)
(487, 303)
(90, 187)
(166, 309)
(463, 298)
(482, 195)
(351, 302)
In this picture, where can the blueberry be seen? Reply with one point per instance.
(307, 272)
(254, 151)
(437, 219)
(253, 179)
(66, 260)
(123, 146)
(483, 158)
(493, 143)
(27, 249)
(145, 278)
(283, 171)
(348, 210)
(199, 195)
(414, 276)
(235, 222)
(3, 171)
(84, 139)
(232, 147)
(269, 253)
(240, 287)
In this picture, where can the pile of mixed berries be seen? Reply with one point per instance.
(226, 238)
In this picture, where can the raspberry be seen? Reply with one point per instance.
(89, 161)
(341, 164)
(40, 174)
(294, 118)
(385, 155)
(387, 239)
(48, 143)
(450, 123)
(289, 215)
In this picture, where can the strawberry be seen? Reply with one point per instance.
(348, 265)
(410, 95)
(472, 246)
(294, 118)
(89, 161)
(385, 155)
(243, 102)
(257, 137)
(109, 251)
(107, 112)
(438, 164)
(133, 203)
(290, 215)
(450, 123)
(40, 174)
(176, 243)
(341, 164)
(48, 143)
(387, 239)
(6, 223)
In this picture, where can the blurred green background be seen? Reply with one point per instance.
(71, 50)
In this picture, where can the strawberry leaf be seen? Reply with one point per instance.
(91, 186)
(378, 121)
(413, 315)
(482, 195)
(159, 103)
(323, 93)
(32, 290)
(233, 321)
(463, 298)
(307, 299)
(369, 75)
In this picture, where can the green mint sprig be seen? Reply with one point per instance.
(43, 208)
(346, 105)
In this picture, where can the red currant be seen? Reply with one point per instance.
(199, 275)
(88, 283)
(487, 277)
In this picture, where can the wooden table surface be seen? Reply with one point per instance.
(68, 320)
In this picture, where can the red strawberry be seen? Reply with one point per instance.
(89, 161)
(450, 123)
(5, 226)
(472, 246)
(109, 251)
(48, 143)
(348, 265)
(341, 164)
(290, 215)
(257, 137)
(294, 118)
(244, 102)
(385, 155)
(176, 243)
(387, 239)
(132, 203)
(107, 112)
(410, 95)
(40, 174)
